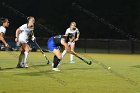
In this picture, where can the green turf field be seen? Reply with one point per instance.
(123, 77)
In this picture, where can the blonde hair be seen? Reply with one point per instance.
(73, 23)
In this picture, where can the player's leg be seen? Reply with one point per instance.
(21, 56)
(26, 48)
(72, 45)
(57, 55)
(65, 51)
(57, 59)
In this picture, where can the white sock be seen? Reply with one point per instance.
(25, 58)
(20, 58)
(64, 53)
(71, 57)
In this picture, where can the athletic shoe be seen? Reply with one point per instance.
(25, 65)
(55, 69)
(19, 66)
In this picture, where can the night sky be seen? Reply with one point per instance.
(55, 15)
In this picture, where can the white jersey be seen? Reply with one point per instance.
(25, 32)
(74, 32)
(2, 29)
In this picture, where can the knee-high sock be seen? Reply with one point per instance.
(20, 58)
(56, 62)
(25, 57)
(64, 53)
(71, 57)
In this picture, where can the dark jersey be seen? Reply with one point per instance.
(57, 39)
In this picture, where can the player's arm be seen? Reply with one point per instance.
(18, 31)
(67, 32)
(3, 40)
(33, 36)
(78, 34)
(66, 46)
(32, 33)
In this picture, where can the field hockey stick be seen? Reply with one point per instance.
(89, 62)
(42, 51)
(34, 40)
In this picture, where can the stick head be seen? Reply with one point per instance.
(90, 62)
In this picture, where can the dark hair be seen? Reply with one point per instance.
(3, 20)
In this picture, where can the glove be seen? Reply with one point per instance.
(33, 38)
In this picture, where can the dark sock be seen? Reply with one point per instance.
(56, 61)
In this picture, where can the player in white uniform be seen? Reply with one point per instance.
(5, 24)
(72, 30)
(22, 35)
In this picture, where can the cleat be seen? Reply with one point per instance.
(25, 65)
(55, 69)
(19, 66)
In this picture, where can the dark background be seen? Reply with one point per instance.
(55, 15)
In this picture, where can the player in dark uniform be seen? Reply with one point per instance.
(53, 45)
